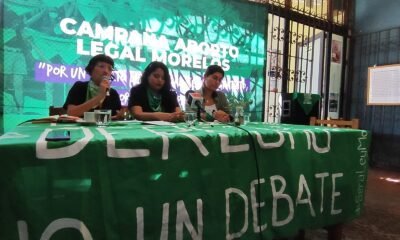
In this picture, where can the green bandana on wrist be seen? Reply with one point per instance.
(92, 91)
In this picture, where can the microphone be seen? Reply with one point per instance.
(194, 100)
(108, 79)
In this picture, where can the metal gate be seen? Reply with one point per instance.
(304, 54)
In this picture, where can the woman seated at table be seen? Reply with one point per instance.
(153, 98)
(215, 103)
(90, 95)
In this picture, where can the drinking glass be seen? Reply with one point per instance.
(89, 117)
(190, 118)
(246, 118)
(102, 117)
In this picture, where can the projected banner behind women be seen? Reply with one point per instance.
(48, 43)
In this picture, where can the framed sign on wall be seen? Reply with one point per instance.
(384, 85)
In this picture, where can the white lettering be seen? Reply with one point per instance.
(280, 195)
(80, 48)
(239, 193)
(264, 145)
(63, 223)
(303, 185)
(226, 148)
(85, 29)
(22, 230)
(96, 48)
(313, 140)
(139, 224)
(256, 205)
(104, 33)
(322, 176)
(165, 222)
(64, 26)
(335, 194)
(182, 217)
(112, 151)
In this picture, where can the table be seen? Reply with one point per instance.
(211, 181)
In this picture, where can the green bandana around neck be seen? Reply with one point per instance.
(154, 100)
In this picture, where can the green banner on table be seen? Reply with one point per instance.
(173, 182)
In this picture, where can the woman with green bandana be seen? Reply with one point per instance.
(96, 93)
(153, 99)
(215, 103)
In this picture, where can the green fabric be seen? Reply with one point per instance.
(62, 47)
(208, 176)
(8, 34)
(306, 100)
(92, 90)
(154, 100)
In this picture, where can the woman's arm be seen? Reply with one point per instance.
(179, 114)
(78, 110)
(137, 112)
(221, 116)
(223, 108)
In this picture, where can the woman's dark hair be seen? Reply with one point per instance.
(144, 80)
(96, 59)
(213, 69)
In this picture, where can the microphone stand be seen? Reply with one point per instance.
(198, 114)
(199, 110)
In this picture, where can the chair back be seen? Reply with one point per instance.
(56, 111)
(354, 123)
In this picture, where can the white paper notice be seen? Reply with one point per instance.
(384, 85)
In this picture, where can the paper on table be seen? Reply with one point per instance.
(57, 119)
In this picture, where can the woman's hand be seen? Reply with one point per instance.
(221, 116)
(180, 116)
(170, 117)
(104, 87)
(121, 114)
(176, 117)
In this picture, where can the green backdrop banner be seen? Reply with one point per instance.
(48, 44)
(173, 182)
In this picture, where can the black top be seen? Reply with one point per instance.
(138, 97)
(77, 96)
